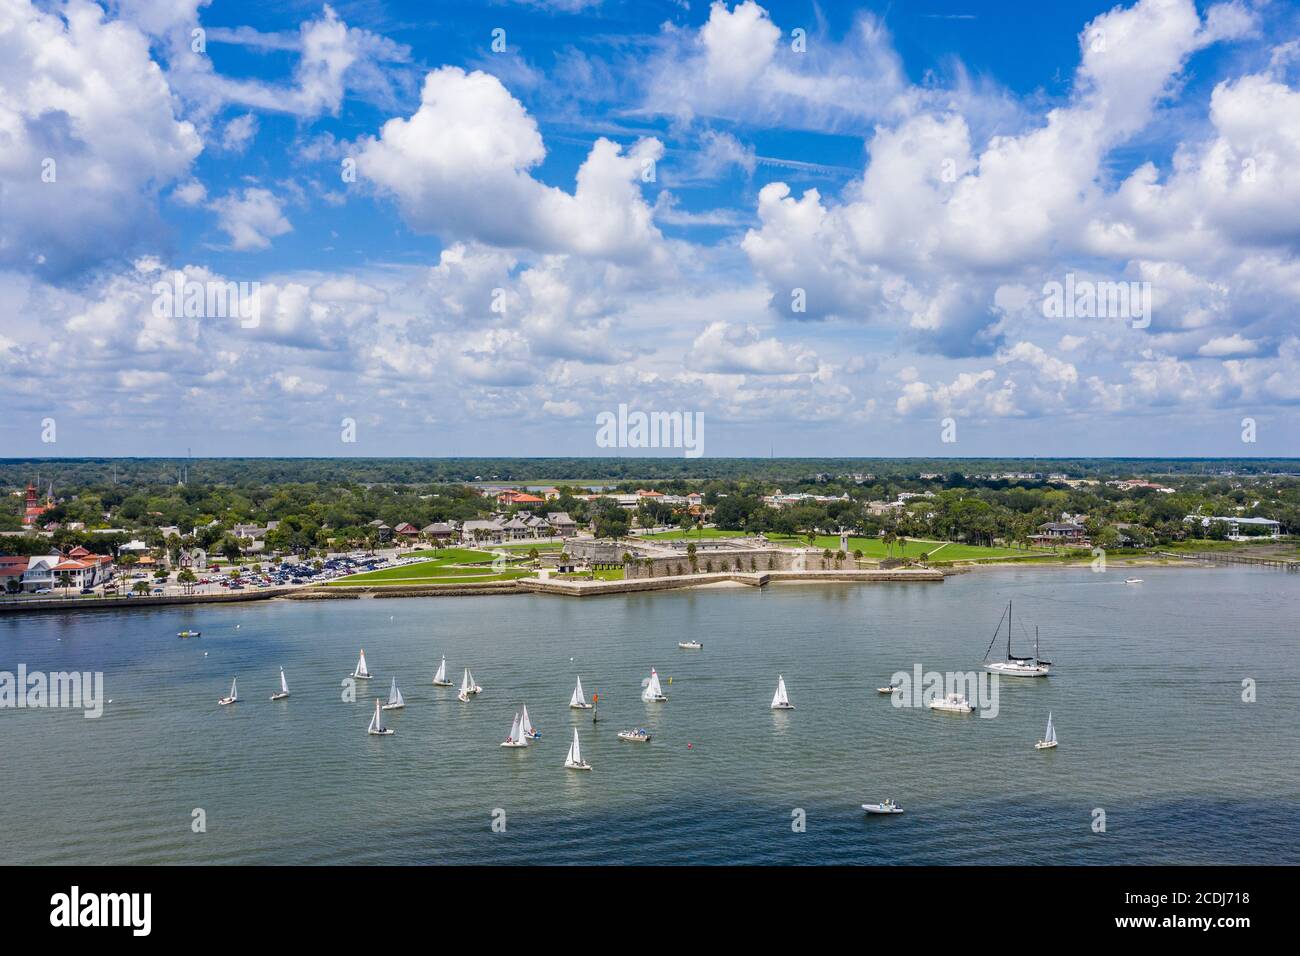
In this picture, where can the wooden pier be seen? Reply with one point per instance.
(1228, 557)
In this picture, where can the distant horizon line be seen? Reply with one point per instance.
(649, 458)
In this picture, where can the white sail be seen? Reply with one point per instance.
(525, 724)
(395, 695)
(233, 695)
(441, 676)
(361, 670)
(515, 733)
(653, 691)
(470, 677)
(466, 684)
(1051, 731)
(377, 721)
(579, 699)
(284, 684)
(575, 750)
(780, 699)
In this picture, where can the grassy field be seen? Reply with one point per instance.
(693, 534)
(435, 576)
(450, 555)
(525, 547)
(442, 566)
(609, 574)
(874, 549)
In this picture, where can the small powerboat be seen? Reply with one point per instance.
(188, 634)
(952, 704)
(690, 645)
(883, 807)
(1133, 581)
(638, 736)
(890, 689)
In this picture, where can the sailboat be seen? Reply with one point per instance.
(284, 688)
(1049, 738)
(440, 678)
(579, 700)
(1015, 666)
(574, 760)
(531, 732)
(360, 672)
(653, 692)
(467, 687)
(377, 723)
(234, 695)
(781, 700)
(516, 738)
(395, 699)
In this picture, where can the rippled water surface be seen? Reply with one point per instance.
(1147, 700)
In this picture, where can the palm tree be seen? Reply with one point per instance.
(857, 557)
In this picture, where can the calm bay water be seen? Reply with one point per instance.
(1146, 698)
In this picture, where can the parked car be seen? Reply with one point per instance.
(87, 590)
(43, 591)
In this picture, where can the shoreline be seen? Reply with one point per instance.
(572, 588)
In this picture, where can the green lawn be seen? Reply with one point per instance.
(451, 555)
(694, 533)
(442, 564)
(874, 549)
(440, 576)
(609, 574)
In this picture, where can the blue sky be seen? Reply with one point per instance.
(830, 229)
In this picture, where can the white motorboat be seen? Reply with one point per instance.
(579, 700)
(883, 807)
(440, 678)
(1133, 581)
(781, 700)
(234, 694)
(377, 727)
(952, 704)
(531, 732)
(890, 689)
(468, 688)
(653, 692)
(1015, 666)
(284, 688)
(361, 672)
(517, 737)
(574, 759)
(638, 736)
(690, 645)
(395, 699)
(1049, 738)
(184, 634)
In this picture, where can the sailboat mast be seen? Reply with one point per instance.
(1008, 629)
